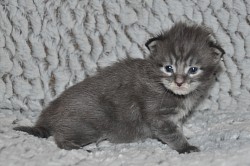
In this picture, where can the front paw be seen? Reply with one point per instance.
(189, 149)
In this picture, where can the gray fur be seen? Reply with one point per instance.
(131, 100)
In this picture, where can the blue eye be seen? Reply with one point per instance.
(169, 69)
(193, 70)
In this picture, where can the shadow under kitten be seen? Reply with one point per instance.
(135, 99)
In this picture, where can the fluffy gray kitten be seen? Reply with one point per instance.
(137, 99)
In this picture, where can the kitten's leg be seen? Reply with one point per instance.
(66, 143)
(171, 134)
(70, 141)
(181, 128)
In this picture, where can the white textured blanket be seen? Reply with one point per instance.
(48, 45)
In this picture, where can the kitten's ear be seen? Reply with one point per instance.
(151, 44)
(218, 51)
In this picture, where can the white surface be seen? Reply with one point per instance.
(47, 46)
(223, 137)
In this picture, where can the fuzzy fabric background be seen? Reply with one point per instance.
(47, 46)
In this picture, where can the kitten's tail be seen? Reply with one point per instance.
(41, 132)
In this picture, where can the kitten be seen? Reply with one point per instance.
(137, 99)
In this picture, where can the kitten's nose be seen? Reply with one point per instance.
(179, 84)
(179, 80)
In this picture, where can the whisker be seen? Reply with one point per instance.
(163, 98)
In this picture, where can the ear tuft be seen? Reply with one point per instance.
(151, 44)
(217, 49)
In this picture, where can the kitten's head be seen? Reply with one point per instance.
(188, 57)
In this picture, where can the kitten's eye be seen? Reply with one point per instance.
(193, 70)
(169, 69)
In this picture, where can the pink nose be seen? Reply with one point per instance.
(179, 84)
(179, 80)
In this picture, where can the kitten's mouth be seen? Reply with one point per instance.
(180, 90)
(184, 89)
